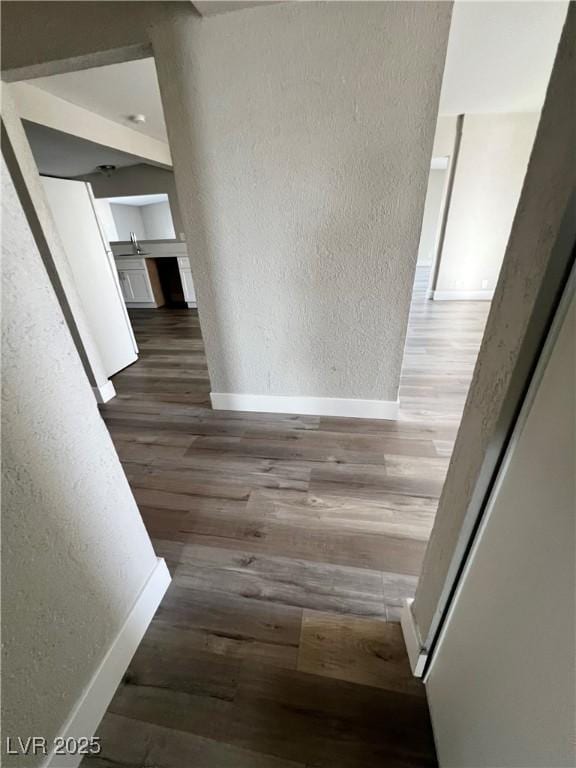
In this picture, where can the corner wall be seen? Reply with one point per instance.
(128, 218)
(490, 171)
(302, 136)
(539, 252)
(15, 146)
(75, 553)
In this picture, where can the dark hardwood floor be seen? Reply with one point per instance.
(292, 541)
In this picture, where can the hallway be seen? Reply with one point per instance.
(291, 541)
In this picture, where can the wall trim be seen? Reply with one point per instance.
(142, 305)
(93, 702)
(104, 392)
(309, 406)
(462, 295)
(416, 654)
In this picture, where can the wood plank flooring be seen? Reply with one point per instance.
(292, 541)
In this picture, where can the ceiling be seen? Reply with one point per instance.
(499, 59)
(500, 56)
(116, 92)
(213, 7)
(61, 154)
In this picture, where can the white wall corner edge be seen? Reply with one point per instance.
(93, 703)
(439, 163)
(104, 392)
(416, 654)
(306, 406)
(463, 295)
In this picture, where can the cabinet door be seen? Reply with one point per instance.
(140, 287)
(124, 277)
(188, 285)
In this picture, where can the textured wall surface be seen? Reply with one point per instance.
(492, 163)
(549, 186)
(502, 685)
(301, 136)
(53, 253)
(40, 39)
(75, 553)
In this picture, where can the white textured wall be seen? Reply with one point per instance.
(128, 218)
(532, 257)
(431, 220)
(302, 136)
(492, 163)
(157, 221)
(53, 253)
(74, 549)
(502, 685)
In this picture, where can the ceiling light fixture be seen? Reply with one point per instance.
(137, 118)
(106, 170)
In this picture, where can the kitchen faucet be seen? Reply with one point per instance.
(135, 243)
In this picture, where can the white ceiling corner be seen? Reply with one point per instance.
(213, 7)
(500, 55)
(115, 91)
(499, 59)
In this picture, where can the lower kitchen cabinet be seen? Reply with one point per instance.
(135, 285)
(141, 286)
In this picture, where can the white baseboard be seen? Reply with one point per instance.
(416, 655)
(462, 295)
(104, 392)
(142, 305)
(192, 305)
(307, 406)
(93, 703)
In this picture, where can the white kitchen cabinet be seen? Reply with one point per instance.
(123, 277)
(188, 286)
(186, 278)
(139, 280)
(135, 283)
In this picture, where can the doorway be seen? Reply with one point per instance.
(124, 247)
